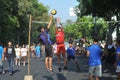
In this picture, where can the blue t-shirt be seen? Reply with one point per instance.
(1, 52)
(118, 52)
(94, 55)
(45, 37)
(70, 51)
(37, 49)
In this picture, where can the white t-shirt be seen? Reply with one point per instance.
(17, 51)
(23, 51)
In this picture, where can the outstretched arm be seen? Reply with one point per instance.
(50, 22)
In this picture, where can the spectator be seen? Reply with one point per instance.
(18, 55)
(10, 53)
(38, 50)
(1, 59)
(71, 55)
(23, 51)
(118, 60)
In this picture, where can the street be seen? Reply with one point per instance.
(39, 72)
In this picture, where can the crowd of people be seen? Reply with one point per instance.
(97, 53)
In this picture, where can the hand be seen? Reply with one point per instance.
(58, 20)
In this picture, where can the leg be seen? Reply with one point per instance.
(50, 63)
(90, 77)
(64, 55)
(65, 61)
(16, 61)
(24, 60)
(1, 66)
(91, 72)
(118, 76)
(77, 65)
(10, 62)
(46, 63)
(98, 72)
(97, 78)
(58, 60)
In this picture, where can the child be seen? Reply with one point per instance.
(38, 50)
(24, 54)
(71, 55)
(17, 53)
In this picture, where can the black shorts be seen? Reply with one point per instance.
(71, 57)
(48, 50)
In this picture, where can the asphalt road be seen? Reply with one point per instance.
(39, 72)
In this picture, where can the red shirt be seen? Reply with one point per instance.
(59, 36)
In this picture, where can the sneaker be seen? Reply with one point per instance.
(3, 72)
(78, 69)
(65, 67)
(23, 64)
(105, 70)
(51, 70)
(59, 69)
(19, 64)
(11, 73)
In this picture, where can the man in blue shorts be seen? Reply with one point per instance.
(45, 39)
(94, 53)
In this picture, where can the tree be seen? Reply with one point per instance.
(101, 8)
(14, 19)
(84, 27)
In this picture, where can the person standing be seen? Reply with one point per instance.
(37, 50)
(71, 55)
(23, 51)
(118, 60)
(10, 53)
(44, 37)
(1, 59)
(18, 54)
(94, 54)
(59, 32)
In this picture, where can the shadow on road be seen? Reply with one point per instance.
(48, 77)
(60, 76)
(107, 78)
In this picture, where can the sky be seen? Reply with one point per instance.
(62, 7)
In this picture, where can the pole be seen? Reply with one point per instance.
(29, 77)
(30, 19)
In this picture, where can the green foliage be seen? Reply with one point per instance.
(84, 27)
(15, 20)
(101, 8)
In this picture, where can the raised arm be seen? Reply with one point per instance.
(49, 24)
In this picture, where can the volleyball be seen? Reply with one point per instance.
(53, 12)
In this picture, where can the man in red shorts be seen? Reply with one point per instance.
(59, 31)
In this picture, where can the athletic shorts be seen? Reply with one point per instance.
(1, 63)
(60, 49)
(118, 69)
(48, 50)
(95, 70)
(71, 57)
